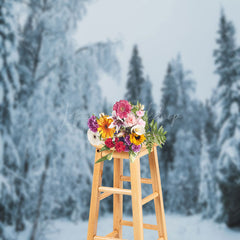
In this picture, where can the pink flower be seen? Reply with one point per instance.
(140, 113)
(130, 120)
(141, 122)
(122, 108)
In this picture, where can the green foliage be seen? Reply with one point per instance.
(107, 157)
(132, 155)
(104, 148)
(155, 135)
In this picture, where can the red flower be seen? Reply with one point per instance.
(120, 147)
(109, 143)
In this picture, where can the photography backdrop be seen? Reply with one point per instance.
(61, 61)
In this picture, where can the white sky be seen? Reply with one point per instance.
(162, 29)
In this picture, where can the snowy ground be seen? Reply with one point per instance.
(178, 227)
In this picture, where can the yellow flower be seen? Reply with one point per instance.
(104, 123)
(137, 139)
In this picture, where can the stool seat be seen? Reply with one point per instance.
(100, 192)
(124, 155)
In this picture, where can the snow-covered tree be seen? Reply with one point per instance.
(59, 90)
(227, 62)
(169, 111)
(183, 192)
(147, 99)
(211, 131)
(183, 176)
(207, 193)
(9, 85)
(135, 77)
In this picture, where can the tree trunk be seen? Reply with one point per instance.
(40, 198)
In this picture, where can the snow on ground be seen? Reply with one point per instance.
(178, 227)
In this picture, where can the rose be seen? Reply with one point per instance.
(130, 120)
(141, 122)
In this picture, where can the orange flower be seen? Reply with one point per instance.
(104, 123)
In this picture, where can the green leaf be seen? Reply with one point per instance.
(104, 158)
(104, 148)
(132, 156)
(151, 124)
(155, 127)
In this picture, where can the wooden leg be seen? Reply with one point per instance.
(158, 202)
(136, 199)
(117, 198)
(94, 205)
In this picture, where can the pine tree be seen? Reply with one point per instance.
(169, 109)
(135, 78)
(183, 180)
(228, 109)
(210, 131)
(9, 85)
(147, 99)
(207, 199)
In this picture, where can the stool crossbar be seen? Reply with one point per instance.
(100, 192)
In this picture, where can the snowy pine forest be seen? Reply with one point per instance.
(49, 88)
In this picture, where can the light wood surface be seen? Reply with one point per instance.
(101, 192)
(106, 238)
(115, 190)
(149, 198)
(143, 180)
(112, 234)
(145, 225)
(136, 199)
(117, 198)
(104, 195)
(123, 155)
(158, 201)
(95, 197)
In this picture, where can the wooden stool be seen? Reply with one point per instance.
(100, 192)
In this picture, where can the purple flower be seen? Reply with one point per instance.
(126, 148)
(136, 148)
(92, 123)
(127, 140)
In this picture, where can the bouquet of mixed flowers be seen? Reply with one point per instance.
(127, 130)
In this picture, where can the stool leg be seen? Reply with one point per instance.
(117, 198)
(94, 205)
(158, 202)
(136, 199)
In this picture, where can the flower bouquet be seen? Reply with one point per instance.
(127, 130)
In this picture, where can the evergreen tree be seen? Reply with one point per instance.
(9, 85)
(147, 99)
(228, 109)
(207, 199)
(182, 192)
(169, 109)
(210, 131)
(135, 78)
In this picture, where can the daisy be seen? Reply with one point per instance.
(94, 138)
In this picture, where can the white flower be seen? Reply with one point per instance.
(138, 129)
(101, 115)
(94, 138)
